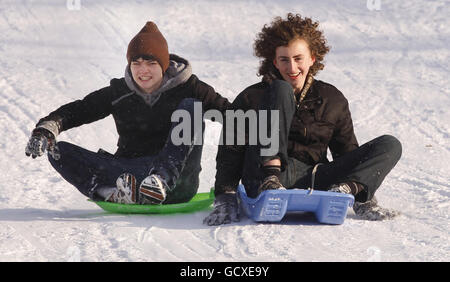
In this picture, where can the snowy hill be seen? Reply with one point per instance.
(389, 58)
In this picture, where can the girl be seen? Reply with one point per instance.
(313, 116)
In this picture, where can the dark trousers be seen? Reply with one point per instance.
(368, 165)
(88, 170)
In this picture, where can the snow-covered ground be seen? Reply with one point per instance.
(390, 59)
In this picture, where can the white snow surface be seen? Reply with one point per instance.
(389, 58)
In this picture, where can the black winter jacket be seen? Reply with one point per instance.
(322, 120)
(142, 129)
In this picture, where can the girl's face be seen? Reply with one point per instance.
(293, 62)
(147, 74)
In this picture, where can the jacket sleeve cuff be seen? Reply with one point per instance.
(51, 125)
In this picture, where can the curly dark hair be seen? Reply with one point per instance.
(279, 33)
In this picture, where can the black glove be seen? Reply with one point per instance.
(41, 140)
(226, 210)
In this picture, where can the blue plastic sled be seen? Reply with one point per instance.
(272, 205)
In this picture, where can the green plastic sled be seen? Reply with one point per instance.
(200, 201)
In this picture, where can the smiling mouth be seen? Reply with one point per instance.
(294, 75)
(145, 78)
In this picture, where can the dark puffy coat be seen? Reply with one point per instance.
(322, 120)
(142, 129)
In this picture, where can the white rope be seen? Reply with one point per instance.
(313, 178)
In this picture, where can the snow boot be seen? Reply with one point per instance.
(341, 188)
(347, 188)
(370, 210)
(153, 189)
(271, 182)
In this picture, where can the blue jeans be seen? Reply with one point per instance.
(180, 164)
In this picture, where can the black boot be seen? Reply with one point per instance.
(370, 210)
(271, 182)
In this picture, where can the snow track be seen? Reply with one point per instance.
(392, 64)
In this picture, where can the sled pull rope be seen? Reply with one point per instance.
(313, 178)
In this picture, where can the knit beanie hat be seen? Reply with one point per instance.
(149, 41)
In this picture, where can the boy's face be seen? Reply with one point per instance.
(293, 62)
(147, 74)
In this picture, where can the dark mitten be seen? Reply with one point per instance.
(41, 140)
(226, 210)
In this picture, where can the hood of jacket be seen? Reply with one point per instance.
(178, 72)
